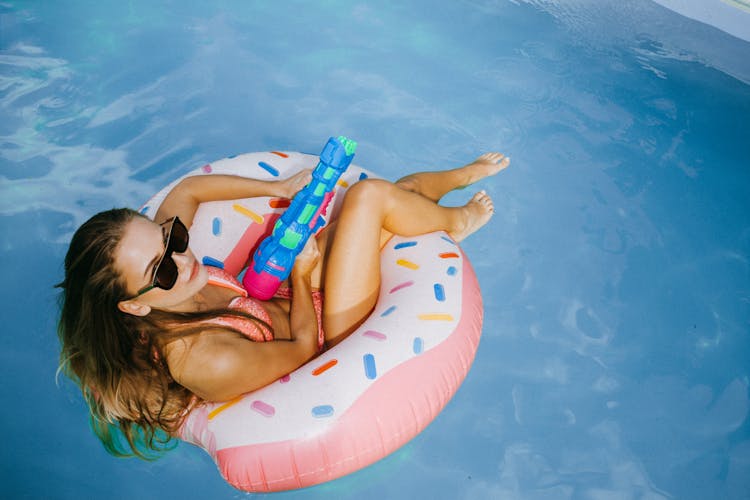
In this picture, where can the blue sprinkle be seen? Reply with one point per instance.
(268, 168)
(405, 244)
(388, 311)
(232, 156)
(362, 176)
(145, 209)
(210, 261)
(452, 271)
(418, 345)
(439, 292)
(449, 240)
(322, 411)
(370, 371)
(216, 228)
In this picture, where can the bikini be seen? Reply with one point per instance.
(256, 331)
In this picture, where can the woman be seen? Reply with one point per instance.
(148, 332)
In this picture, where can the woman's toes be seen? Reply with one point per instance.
(477, 213)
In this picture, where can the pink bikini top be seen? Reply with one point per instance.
(252, 330)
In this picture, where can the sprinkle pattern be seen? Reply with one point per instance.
(268, 168)
(263, 408)
(435, 317)
(371, 372)
(324, 367)
(405, 244)
(279, 202)
(258, 219)
(375, 335)
(418, 345)
(407, 264)
(322, 411)
(210, 261)
(388, 311)
(223, 407)
(401, 286)
(448, 255)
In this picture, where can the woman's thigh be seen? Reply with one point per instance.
(349, 270)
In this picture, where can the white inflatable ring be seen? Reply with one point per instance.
(368, 395)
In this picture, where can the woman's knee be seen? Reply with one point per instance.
(408, 183)
(369, 191)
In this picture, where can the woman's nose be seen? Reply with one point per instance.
(181, 259)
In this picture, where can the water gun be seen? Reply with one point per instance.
(273, 260)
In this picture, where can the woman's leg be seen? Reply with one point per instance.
(352, 263)
(434, 185)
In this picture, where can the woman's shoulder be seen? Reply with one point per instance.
(220, 364)
(196, 353)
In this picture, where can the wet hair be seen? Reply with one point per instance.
(117, 358)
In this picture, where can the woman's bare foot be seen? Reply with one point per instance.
(434, 185)
(486, 165)
(476, 214)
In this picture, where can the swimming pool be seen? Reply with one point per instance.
(614, 358)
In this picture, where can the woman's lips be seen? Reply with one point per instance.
(194, 270)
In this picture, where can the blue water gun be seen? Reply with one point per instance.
(273, 260)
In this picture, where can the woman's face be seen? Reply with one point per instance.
(140, 250)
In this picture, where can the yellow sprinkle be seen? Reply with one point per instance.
(407, 263)
(224, 407)
(246, 211)
(343, 183)
(435, 317)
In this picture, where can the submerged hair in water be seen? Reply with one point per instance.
(117, 358)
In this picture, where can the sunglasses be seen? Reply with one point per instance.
(166, 272)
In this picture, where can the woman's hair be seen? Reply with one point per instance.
(116, 358)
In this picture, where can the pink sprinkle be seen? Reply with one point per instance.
(207, 168)
(263, 408)
(375, 335)
(402, 285)
(286, 378)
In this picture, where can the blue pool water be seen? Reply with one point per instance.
(614, 358)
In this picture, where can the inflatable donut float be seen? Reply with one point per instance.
(365, 397)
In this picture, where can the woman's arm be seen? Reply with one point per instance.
(190, 192)
(220, 365)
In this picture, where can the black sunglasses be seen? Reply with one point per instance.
(166, 272)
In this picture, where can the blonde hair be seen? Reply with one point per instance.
(116, 358)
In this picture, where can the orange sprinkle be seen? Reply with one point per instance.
(435, 317)
(407, 263)
(283, 155)
(279, 203)
(343, 183)
(223, 407)
(246, 211)
(448, 255)
(324, 367)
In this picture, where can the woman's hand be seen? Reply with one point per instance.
(307, 259)
(292, 185)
